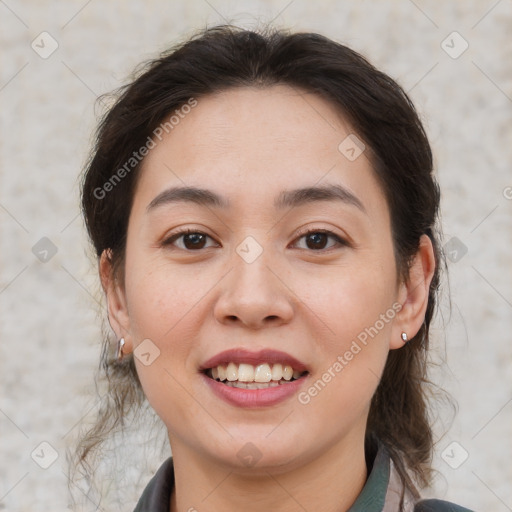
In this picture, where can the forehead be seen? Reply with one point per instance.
(266, 119)
(258, 142)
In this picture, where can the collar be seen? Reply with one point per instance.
(382, 491)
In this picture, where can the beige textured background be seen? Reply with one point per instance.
(49, 327)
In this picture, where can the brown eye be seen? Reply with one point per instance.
(316, 240)
(319, 240)
(189, 240)
(194, 241)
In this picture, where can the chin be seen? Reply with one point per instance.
(259, 453)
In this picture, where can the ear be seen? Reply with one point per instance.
(413, 294)
(118, 316)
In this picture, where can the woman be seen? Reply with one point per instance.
(263, 209)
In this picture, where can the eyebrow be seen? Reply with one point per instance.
(286, 199)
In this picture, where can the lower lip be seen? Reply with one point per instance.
(252, 398)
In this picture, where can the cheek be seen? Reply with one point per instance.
(348, 301)
(160, 297)
(352, 349)
(161, 308)
(355, 314)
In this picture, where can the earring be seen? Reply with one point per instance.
(405, 339)
(120, 345)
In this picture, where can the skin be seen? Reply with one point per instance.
(249, 145)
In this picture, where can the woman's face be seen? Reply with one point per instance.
(288, 262)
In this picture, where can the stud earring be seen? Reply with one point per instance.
(405, 339)
(120, 345)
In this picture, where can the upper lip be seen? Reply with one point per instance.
(241, 355)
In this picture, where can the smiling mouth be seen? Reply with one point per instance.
(248, 376)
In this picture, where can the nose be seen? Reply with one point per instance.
(254, 295)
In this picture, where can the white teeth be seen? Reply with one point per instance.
(287, 372)
(262, 374)
(252, 385)
(232, 372)
(277, 372)
(246, 373)
(221, 372)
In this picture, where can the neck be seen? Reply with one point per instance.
(330, 482)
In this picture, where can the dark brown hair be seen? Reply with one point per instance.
(380, 113)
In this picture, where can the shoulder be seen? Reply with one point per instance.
(438, 506)
(157, 494)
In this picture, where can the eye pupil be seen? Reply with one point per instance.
(318, 240)
(194, 240)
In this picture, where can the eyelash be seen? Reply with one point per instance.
(179, 234)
